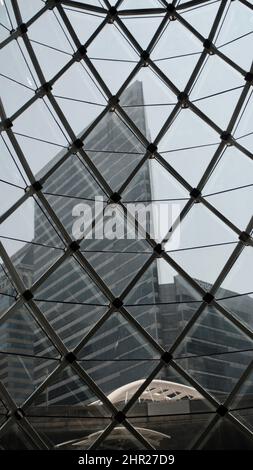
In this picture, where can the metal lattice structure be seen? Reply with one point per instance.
(113, 15)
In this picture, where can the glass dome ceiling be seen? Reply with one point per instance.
(105, 105)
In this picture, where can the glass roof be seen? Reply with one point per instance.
(126, 218)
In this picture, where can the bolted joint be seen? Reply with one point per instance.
(115, 198)
(19, 414)
(112, 13)
(166, 357)
(120, 417)
(208, 298)
(183, 99)
(113, 102)
(195, 193)
(208, 45)
(222, 410)
(52, 3)
(27, 295)
(70, 357)
(151, 149)
(78, 144)
(44, 89)
(145, 58)
(158, 249)
(74, 246)
(6, 124)
(245, 238)
(22, 28)
(80, 53)
(37, 186)
(227, 138)
(172, 12)
(117, 303)
(249, 77)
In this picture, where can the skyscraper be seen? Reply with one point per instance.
(72, 303)
(214, 352)
(68, 298)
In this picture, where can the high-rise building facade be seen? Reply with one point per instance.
(69, 298)
(72, 303)
(214, 352)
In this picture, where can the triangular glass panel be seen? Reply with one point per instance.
(204, 264)
(84, 24)
(117, 377)
(237, 48)
(150, 103)
(212, 96)
(16, 439)
(225, 435)
(70, 320)
(79, 286)
(128, 265)
(109, 145)
(17, 88)
(225, 102)
(239, 304)
(67, 390)
(29, 10)
(112, 233)
(200, 227)
(74, 181)
(194, 16)
(234, 205)
(175, 41)
(79, 98)
(178, 68)
(187, 130)
(161, 298)
(43, 138)
(50, 59)
(34, 245)
(190, 162)
(57, 40)
(164, 203)
(237, 168)
(239, 279)
(24, 373)
(210, 353)
(22, 333)
(111, 44)
(143, 27)
(112, 341)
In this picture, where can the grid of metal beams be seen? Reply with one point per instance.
(115, 15)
